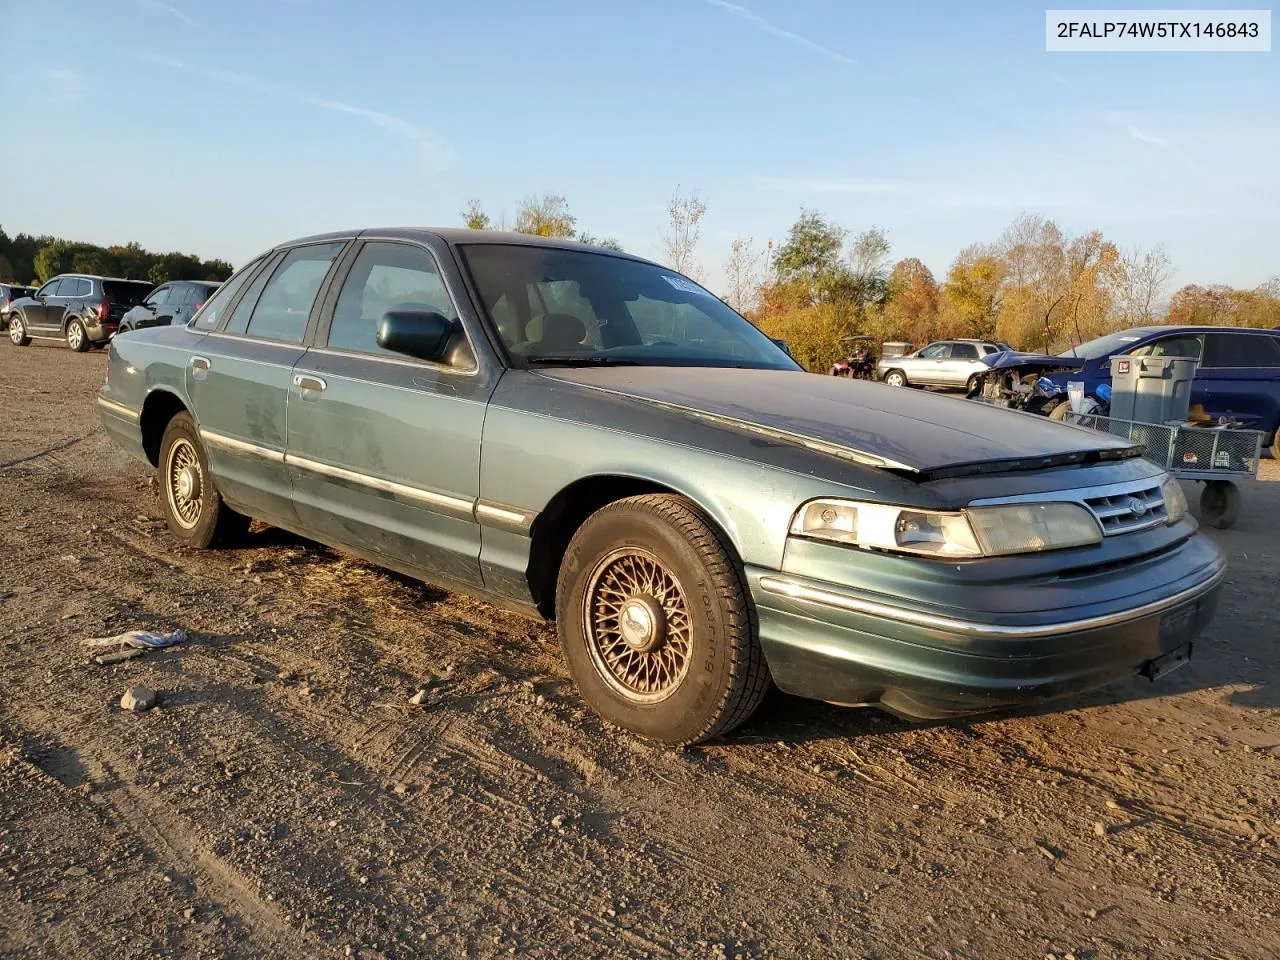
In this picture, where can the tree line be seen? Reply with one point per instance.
(28, 259)
(1036, 286)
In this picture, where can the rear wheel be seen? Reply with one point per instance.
(656, 623)
(895, 378)
(194, 510)
(18, 331)
(77, 336)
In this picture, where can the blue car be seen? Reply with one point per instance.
(1238, 376)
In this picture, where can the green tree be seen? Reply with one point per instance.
(608, 243)
(808, 262)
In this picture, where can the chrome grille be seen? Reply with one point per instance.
(1130, 510)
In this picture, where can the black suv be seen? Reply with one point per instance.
(10, 292)
(83, 310)
(170, 303)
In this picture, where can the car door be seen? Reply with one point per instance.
(384, 449)
(239, 377)
(47, 301)
(1239, 377)
(72, 295)
(961, 365)
(147, 311)
(926, 367)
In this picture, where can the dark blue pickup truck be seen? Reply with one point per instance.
(1238, 376)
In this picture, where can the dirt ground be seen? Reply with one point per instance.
(285, 800)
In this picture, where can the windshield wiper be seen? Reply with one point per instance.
(578, 360)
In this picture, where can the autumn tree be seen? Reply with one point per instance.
(608, 243)
(474, 216)
(911, 307)
(1141, 282)
(684, 227)
(545, 216)
(742, 272)
(970, 301)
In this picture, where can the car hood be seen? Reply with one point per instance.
(893, 427)
(1031, 362)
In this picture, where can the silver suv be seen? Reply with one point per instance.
(944, 363)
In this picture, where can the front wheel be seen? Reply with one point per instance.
(18, 331)
(194, 510)
(77, 336)
(973, 386)
(895, 378)
(1220, 503)
(656, 622)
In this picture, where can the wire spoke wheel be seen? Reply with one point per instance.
(637, 625)
(184, 482)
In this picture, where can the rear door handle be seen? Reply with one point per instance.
(305, 381)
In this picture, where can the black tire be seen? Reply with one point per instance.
(196, 514)
(77, 336)
(1060, 412)
(896, 378)
(18, 331)
(664, 570)
(973, 386)
(1219, 503)
(1275, 446)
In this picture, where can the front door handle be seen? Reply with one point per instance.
(305, 381)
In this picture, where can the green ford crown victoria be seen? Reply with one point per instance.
(587, 436)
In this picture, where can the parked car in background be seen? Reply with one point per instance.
(1238, 377)
(591, 437)
(170, 304)
(943, 363)
(896, 348)
(78, 308)
(10, 292)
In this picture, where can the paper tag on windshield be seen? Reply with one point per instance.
(687, 286)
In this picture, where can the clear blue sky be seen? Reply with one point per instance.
(220, 127)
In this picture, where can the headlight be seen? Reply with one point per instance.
(1175, 501)
(978, 532)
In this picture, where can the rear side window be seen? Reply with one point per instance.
(238, 322)
(216, 305)
(76, 287)
(964, 351)
(281, 312)
(385, 276)
(1241, 350)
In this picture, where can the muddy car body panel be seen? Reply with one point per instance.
(476, 471)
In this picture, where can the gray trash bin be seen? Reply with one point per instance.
(1151, 389)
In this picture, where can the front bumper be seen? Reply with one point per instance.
(926, 662)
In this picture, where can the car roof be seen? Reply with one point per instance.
(455, 236)
(94, 276)
(1192, 328)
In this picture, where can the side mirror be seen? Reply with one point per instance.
(423, 334)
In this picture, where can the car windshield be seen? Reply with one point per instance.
(126, 291)
(553, 306)
(1103, 346)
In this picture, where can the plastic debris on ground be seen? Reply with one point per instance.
(134, 643)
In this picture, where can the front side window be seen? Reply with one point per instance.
(158, 298)
(51, 288)
(285, 304)
(216, 305)
(558, 306)
(385, 276)
(936, 351)
(1181, 346)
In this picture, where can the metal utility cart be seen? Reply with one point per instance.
(1217, 456)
